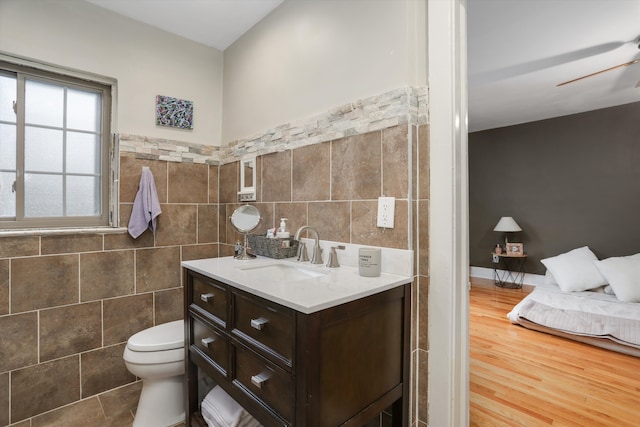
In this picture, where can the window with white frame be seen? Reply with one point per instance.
(54, 149)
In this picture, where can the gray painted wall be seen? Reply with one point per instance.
(568, 182)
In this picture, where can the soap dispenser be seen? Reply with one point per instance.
(283, 230)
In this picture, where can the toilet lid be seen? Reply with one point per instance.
(166, 336)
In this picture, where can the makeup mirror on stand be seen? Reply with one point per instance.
(245, 219)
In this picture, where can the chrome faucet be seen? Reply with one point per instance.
(302, 252)
(316, 256)
(333, 257)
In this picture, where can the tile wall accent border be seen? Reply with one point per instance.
(168, 150)
(399, 106)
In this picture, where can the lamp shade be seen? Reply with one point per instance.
(507, 224)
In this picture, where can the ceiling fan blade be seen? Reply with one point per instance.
(626, 64)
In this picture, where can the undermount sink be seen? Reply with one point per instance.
(282, 272)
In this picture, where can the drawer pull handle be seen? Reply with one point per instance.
(206, 342)
(259, 323)
(259, 380)
(206, 297)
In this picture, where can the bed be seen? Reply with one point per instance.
(590, 317)
(588, 300)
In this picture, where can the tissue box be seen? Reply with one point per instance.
(273, 247)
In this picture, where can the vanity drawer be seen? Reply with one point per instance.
(212, 297)
(213, 344)
(265, 381)
(269, 327)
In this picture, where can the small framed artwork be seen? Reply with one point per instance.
(514, 249)
(174, 112)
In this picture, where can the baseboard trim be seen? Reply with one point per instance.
(487, 273)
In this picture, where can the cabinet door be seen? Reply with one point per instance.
(209, 298)
(212, 344)
(267, 327)
(264, 382)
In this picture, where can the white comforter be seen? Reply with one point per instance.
(588, 313)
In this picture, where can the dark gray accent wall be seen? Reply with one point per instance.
(568, 182)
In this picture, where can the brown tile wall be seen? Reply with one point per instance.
(333, 186)
(69, 303)
(420, 226)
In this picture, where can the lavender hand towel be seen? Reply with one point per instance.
(146, 206)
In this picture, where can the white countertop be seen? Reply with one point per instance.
(331, 287)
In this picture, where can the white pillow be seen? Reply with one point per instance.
(574, 270)
(623, 274)
(607, 289)
(549, 280)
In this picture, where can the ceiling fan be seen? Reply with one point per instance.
(615, 67)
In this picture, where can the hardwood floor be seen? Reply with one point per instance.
(520, 377)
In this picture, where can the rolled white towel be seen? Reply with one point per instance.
(220, 410)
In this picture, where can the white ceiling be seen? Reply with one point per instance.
(215, 23)
(518, 50)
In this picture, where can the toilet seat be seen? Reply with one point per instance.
(167, 336)
(153, 357)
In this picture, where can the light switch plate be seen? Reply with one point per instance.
(386, 208)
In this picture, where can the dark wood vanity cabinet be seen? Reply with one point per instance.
(340, 366)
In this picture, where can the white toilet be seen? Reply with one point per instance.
(156, 355)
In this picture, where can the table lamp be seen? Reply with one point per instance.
(507, 225)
